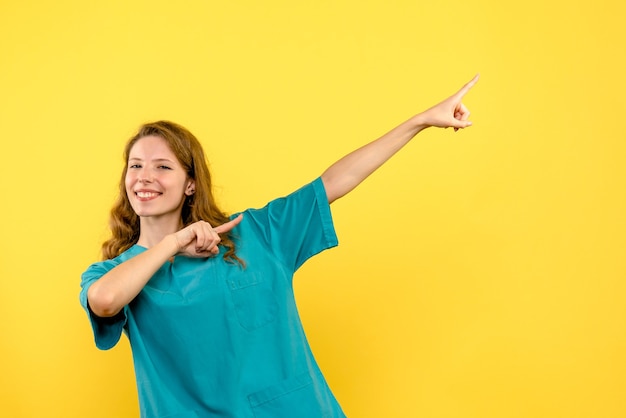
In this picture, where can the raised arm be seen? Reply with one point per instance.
(347, 173)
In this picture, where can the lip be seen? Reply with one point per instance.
(144, 195)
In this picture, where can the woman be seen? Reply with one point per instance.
(205, 299)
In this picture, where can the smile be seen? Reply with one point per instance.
(147, 195)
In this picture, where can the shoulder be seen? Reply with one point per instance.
(310, 192)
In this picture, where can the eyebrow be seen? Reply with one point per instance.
(158, 160)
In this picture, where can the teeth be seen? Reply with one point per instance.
(144, 195)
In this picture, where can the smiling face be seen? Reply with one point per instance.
(156, 183)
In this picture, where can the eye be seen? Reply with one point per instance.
(164, 167)
(134, 166)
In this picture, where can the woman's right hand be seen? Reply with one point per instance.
(200, 239)
(115, 289)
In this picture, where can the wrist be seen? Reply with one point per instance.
(419, 123)
(171, 245)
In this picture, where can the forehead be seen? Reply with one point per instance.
(150, 148)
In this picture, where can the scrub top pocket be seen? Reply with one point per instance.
(293, 397)
(255, 303)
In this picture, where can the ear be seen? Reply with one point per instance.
(191, 188)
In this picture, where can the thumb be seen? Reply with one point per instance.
(225, 227)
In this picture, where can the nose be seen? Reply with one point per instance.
(145, 176)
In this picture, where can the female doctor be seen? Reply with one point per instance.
(205, 299)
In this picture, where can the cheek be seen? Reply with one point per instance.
(128, 183)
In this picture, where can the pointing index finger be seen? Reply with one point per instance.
(468, 86)
(228, 225)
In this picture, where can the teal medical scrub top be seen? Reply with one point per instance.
(212, 339)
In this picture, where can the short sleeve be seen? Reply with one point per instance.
(298, 226)
(107, 331)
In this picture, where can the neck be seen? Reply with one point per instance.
(154, 229)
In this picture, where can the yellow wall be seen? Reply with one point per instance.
(480, 273)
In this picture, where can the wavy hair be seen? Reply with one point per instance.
(124, 222)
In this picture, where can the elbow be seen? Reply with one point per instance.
(101, 302)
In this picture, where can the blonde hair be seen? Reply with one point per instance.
(124, 222)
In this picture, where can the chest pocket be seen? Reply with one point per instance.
(255, 303)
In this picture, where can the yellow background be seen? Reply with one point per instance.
(480, 273)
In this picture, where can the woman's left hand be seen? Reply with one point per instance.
(451, 113)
